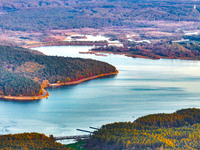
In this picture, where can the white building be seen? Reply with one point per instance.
(115, 44)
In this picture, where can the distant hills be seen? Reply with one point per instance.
(19, 4)
(40, 15)
(24, 4)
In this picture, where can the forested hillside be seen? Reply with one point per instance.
(29, 141)
(23, 72)
(40, 15)
(179, 130)
(23, 4)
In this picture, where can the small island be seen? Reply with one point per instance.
(25, 73)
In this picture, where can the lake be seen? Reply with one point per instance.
(142, 87)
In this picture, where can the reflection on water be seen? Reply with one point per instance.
(142, 87)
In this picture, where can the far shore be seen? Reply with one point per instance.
(87, 43)
(67, 43)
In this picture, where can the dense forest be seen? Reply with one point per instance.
(179, 130)
(16, 85)
(41, 15)
(29, 141)
(23, 72)
(189, 50)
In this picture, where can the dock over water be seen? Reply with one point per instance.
(77, 136)
(72, 137)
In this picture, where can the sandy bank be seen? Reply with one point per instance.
(46, 94)
(27, 98)
(85, 79)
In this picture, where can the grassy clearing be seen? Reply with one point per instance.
(77, 146)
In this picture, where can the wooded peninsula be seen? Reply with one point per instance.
(25, 73)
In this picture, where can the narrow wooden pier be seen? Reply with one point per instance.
(77, 136)
(72, 137)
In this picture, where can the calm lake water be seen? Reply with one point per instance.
(142, 87)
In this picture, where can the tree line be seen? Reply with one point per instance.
(179, 130)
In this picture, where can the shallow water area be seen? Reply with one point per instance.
(142, 87)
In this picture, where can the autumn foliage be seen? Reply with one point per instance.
(179, 130)
(27, 141)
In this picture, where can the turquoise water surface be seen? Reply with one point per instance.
(142, 87)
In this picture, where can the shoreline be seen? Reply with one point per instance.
(26, 98)
(127, 54)
(46, 94)
(83, 80)
(146, 57)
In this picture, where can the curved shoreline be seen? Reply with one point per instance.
(83, 80)
(46, 94)
(26, 98)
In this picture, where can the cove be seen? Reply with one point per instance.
(142, 87)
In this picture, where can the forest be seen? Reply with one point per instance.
(169, 50)
(176, 131)
(41, 15)
(29, 141)
(24, 72)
